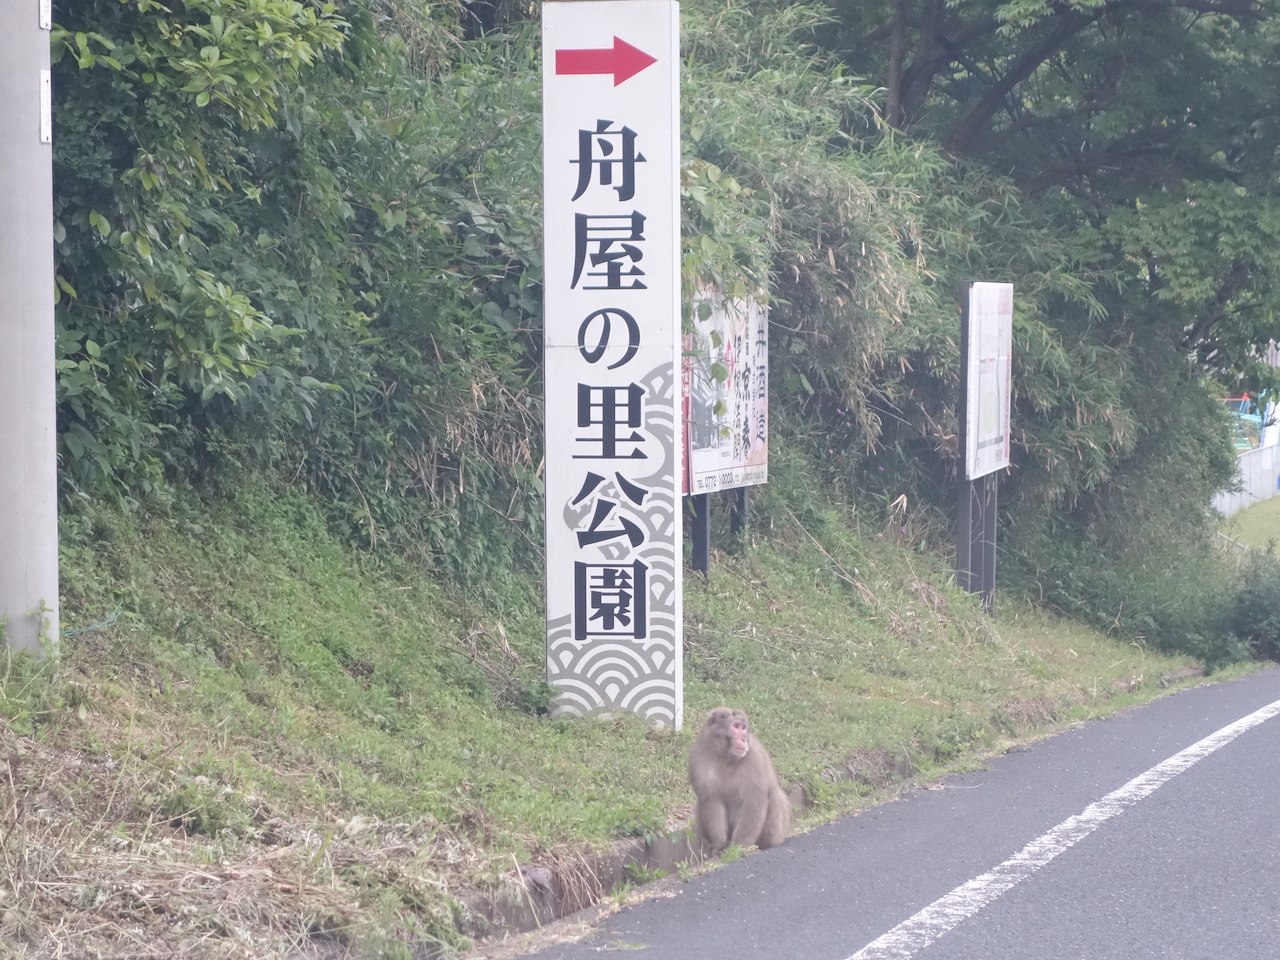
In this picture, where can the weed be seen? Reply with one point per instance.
(641, 875)
(731, 853)
(32, 691)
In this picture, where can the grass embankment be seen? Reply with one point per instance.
(285, 745)
(1257, 527)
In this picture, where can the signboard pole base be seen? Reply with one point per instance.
(976, 538)
(700, 531)
(738, 516)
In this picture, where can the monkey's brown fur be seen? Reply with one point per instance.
(739, 798)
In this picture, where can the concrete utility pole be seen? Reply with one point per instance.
(28, 445)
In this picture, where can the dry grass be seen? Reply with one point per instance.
(81, 876)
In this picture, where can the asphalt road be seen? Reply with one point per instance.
(1133, 837)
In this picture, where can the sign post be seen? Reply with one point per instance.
(28, 446)
(611, 150)
(986, 364)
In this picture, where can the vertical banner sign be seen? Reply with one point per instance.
(611, 150)
(989, 363)
(986, 357)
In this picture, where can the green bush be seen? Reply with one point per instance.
(1255, 614)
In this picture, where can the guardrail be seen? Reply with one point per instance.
(1259, 480)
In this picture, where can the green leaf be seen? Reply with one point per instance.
(99, 222)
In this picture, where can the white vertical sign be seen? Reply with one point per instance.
(990, 366)
(611, 152)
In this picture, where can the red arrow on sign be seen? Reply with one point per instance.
(624, 61)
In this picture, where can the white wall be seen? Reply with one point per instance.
(1259, 479)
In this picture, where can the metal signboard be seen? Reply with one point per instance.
(46, 106)
(726, 396)
(612, 346)
(988, 337)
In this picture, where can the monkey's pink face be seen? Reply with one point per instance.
(738, 743)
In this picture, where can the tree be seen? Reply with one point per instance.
(156, 107)
(1150, 124)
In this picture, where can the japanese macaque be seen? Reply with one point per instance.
(739, 798)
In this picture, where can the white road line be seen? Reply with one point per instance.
(914, 934)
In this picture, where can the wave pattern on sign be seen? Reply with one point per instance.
(601, 677)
